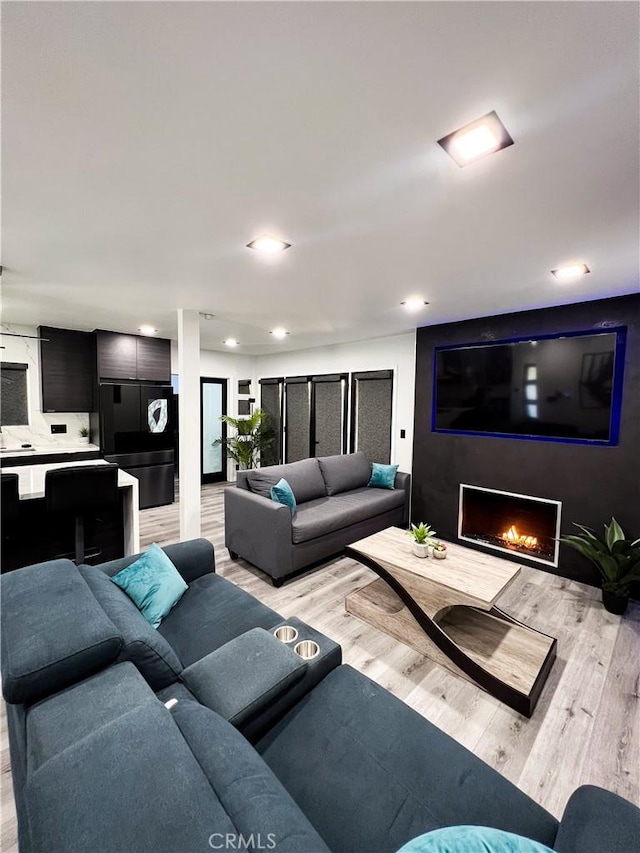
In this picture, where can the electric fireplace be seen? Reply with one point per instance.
(514, 523)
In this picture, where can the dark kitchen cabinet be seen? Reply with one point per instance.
(132, 357)
(67, 370)
(154, 359)
(117, 355)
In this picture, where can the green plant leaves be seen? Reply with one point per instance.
(616, 558)
(253, 435)
(423, 534)
(613, 533)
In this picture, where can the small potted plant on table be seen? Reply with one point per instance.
(616, 558)
(83, 432)
(422, 539)
(439, 550)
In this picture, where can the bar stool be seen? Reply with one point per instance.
(10, 499)
(81, 491)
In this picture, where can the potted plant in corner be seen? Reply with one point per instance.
(422, 535)
(83, 432)
(253, 435)
(616, 558)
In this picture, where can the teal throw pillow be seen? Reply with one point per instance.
(472, 839)
(153, 584)
(282, 493)
(382, 476)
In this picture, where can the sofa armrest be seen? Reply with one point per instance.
(192, 559)
(259, 530)
(597, 821)
(403, 481)
(243, 678)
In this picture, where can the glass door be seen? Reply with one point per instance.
(213, 404)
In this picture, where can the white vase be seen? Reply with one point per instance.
(439, 555)
(420, 550)
(83, 439)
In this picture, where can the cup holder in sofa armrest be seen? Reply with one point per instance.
(243, 678)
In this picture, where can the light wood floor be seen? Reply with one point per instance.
(585, 729)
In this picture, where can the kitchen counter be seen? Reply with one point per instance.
(31, 487)
(47, 453)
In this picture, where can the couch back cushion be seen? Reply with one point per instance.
(130, 785)
(252, 796)
(143, 645)
(304, 477)
(344, 473)
(54, 632)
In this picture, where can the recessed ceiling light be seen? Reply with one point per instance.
(147, 330)
(570, 271)
(231, 342)
(414, 303)
(268, 245)
(476, 139)
(279, 333)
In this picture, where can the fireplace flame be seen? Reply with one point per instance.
(512, 537)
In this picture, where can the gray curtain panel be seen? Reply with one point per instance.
(372, 405)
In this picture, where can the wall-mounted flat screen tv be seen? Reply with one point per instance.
(550, 388)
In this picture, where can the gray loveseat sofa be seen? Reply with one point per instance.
(335, 507)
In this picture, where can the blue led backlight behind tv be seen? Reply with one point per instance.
(548, 388)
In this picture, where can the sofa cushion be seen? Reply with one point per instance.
(344, 473)
(304, 477)
(132, 784)
(245, 676)
(69, 716)
(327, 514)
(282, 493)
(251, 795)
(210, 613)
(383, 476)
(388, 774)
(54, 632)
(143, 645)
(472, 839)
(596, 820)
(153, 584)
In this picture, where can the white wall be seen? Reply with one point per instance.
(38, 432)
(397, 353)
(224, 365)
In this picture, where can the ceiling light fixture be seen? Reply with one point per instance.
(476, 139)
(570, 271)
(147, 330)
(414, 303)
(268, 245)
(279, 333)
(230, 342)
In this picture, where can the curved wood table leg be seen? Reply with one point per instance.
(521, 700)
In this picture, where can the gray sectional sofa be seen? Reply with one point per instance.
(335, 507)
(101, 763)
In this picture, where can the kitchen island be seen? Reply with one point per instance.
(31, 534)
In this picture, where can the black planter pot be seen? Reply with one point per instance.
(614, 603)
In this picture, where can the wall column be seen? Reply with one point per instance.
(189, 422)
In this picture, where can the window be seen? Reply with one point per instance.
(14, 408)
(531, 390)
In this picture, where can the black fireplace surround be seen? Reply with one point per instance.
(591, 482)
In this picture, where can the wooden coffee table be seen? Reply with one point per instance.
(446, 610)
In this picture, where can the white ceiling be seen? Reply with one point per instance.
(144, 144)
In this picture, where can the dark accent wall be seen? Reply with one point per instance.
(593, 483)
